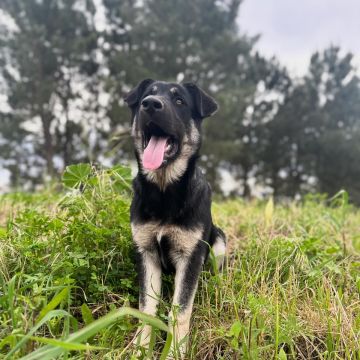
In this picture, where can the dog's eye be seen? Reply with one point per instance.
(179, 101)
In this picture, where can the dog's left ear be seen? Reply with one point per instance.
(205, 104)
(133, 96)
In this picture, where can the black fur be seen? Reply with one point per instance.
(185, 201)
(141, 276)
(192, 272)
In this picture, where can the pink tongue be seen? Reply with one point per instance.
(154, 153)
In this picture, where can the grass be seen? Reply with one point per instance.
(290, 288)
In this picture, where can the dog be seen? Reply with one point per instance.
(170, 212)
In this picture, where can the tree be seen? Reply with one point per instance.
(286, 135)
(52, 48)
(336, 124)
(313, 137)
(239, 133)
(195, 41)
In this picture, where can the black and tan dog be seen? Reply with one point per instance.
(170, 213)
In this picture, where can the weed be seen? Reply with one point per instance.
(290, 288)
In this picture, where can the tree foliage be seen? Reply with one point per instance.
(65, 72)
(49, 51)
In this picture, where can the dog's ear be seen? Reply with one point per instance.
(133, 96)
(205, 104)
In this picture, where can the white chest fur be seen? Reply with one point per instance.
(182, 239)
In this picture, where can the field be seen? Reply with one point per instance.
(290, 288)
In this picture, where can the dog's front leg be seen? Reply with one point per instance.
(150, 288)
(186, 280)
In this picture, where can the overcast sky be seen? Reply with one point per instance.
(293, 29)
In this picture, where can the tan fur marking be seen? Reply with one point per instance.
(143, 234)
(153, 293)
(172, 172)
(182, 240)
(179, 319)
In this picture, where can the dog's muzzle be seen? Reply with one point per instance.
(159, 146)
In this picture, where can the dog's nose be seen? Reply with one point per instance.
(151, 104)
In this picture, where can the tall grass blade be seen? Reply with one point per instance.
(269, 211)
(167, 346)
(47, 317)
(55, 301)
(50, 352)
(66, 345)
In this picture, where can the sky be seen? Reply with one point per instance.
(292, 29)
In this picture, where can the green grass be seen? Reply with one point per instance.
(290, 288)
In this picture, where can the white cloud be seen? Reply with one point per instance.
(293, 30)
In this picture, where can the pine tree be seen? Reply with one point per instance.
(195, 41)
(44, 58)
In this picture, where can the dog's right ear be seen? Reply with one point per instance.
(205, 104)
(133, 96)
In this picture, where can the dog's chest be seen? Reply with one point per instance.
(172, 242)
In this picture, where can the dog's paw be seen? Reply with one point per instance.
(140, 343)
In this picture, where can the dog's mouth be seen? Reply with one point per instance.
(159, 147)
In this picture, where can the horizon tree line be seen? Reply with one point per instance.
(64, 77)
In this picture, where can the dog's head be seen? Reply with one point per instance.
(166, 121)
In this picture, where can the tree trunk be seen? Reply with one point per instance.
(48, 145)
(275, 182)
(247, 190)
(67, 141)
(67, 138)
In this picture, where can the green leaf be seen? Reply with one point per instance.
(66, 345)
(75, 175)
(47, 317)
(3, 232)
(122, 171)
(282, 354)
(123, 177)
(235, 329)
(8, 340)
(86, 314)
(56, 300)
(49, 352)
